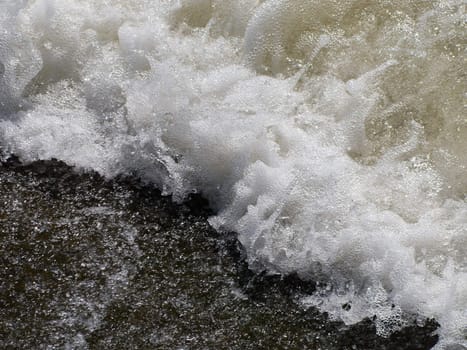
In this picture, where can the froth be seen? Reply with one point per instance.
(330, 135)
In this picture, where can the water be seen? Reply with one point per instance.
(331, 135)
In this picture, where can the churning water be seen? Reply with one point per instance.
(330, 135)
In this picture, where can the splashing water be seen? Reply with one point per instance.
(331, 135)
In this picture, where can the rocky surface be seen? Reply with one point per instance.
(88, 263)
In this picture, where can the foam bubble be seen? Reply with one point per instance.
(330, 135)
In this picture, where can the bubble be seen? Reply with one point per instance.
(330, 135)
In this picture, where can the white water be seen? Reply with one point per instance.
(331, 135)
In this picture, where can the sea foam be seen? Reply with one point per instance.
(330, 135)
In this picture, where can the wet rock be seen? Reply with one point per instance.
(90, 263)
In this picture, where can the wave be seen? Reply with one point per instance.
(331, 136)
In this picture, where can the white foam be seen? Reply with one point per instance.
(330, 135)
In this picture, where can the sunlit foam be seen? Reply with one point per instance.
(331, 136)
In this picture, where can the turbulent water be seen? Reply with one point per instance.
(330, 135)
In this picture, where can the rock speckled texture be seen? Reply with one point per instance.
(88, 263)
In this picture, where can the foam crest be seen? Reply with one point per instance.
(330, 135)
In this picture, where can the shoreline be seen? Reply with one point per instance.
(185, 285)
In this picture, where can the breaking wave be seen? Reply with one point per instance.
(330, 135)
